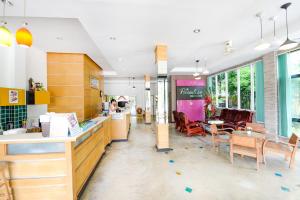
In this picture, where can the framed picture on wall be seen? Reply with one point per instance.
(94, 82)
(13, 96)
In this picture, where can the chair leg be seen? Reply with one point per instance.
(231, 157)
(257, 163)
(286, 157)
(292, 160)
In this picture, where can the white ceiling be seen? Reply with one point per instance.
(138, 25)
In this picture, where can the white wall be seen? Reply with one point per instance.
(36, 68)
(17, 65)
(121, 87)
(12, 67)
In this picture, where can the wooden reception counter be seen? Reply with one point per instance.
(120, 126)
(53, 168)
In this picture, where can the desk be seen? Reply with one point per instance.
(120, 126)
(43, 168)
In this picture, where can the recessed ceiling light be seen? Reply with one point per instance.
(196, 30)
(59, 38)
(112, 38)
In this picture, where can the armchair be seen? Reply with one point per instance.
(176, 119)
(189, 127)
(288, 149)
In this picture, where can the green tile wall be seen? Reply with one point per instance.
(14, 114)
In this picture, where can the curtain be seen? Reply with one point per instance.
(284, 96)
(260, 94)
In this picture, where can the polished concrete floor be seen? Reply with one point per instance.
(133, 170)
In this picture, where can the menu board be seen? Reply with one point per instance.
(190, 92)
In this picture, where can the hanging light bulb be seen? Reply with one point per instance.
(288, 44)
(261, 45)
(23, 35)
(196, 72)
(5, 34)
(205, 72)
(133, 82)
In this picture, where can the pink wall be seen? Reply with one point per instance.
(194, 109)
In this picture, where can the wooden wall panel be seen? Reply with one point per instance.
(92, 100)
(65, 83)
(69, 84)
(62, 79)
(53, 57)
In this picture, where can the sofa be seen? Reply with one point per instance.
(234, 118)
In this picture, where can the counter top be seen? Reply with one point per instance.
(38, 138)
(120, 115)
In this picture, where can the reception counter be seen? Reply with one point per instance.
(54, 168)
(120, 126)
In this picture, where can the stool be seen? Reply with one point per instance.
(5, 189)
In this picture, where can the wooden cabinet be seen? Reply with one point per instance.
(107, 131)
(37, 97)
(69, 83)
(87, 156)
(6, 97)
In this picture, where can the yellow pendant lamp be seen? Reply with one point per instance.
(5, 37)
(5, 34)
(23, 35)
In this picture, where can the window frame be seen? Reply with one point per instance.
(237, 69)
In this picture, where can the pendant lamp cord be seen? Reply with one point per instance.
(286, 22)
(261, 27)
(24, 9)
(4, 2)
(274, 28)
(197, 61)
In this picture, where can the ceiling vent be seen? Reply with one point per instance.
(228, 49)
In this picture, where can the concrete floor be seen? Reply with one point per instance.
(133, 170)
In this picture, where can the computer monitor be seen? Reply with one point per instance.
(121, 104)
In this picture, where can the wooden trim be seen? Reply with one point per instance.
(71, 193)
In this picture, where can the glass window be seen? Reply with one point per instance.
(232, 89)
(294, 68)
(245, 87)
(221, 90)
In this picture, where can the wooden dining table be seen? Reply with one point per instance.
(257, 135)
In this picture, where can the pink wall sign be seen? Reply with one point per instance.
(189, 100)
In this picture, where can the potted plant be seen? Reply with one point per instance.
(210, 109)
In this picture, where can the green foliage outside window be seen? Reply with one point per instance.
(232, 89)
(221, 90)
(245, 87)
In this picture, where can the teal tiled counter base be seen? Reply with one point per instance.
(14, 114)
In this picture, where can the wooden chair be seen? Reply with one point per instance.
(288, 149)
(245, 146)
(255, 127)
(217, 136)
(176, 119)
(5, 189)
(191, 128)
